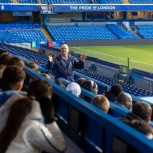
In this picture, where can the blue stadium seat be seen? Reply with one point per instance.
(121, 33)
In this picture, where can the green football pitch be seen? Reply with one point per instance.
(140, 57)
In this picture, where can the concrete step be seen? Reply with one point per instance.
(126, 2)
(15, 1)
(46, 33)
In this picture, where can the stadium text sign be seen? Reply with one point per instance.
(91, 8)
(102, 7)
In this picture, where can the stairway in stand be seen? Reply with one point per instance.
(126, 1)
(15, 1)
(46, 33)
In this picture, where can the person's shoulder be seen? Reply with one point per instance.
(58, 57)
(11, 95)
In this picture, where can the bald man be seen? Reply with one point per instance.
(125, 100)
(64, 65)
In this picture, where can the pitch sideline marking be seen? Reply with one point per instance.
(109, 55)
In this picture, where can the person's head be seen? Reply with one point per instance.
(2, 52)
(91, 86)
(142, 127)
(33, 65)
(16, 61)
(40, 89)
(46, 75)
(64, 50)
(125, 100)
(101, 102)
(4, 59)
(81, 82)
(14, 76)
(17, 113)
(116, 89)
(74, 88)
(60, 83)
(143, 110)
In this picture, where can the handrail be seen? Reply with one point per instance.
(119, 129)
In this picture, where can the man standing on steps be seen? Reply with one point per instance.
(64, 65)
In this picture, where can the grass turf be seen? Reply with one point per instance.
(140, 57)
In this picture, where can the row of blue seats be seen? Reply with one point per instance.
(141, 1)
(146, 31)
(18, 26)
(79, 1)
(86, 32)
(114, 2)
(110, 81)
(19, 36)
(6, 1)
(66, 1)
(25, 53)
(28, 1)
(121, 33)
(96, 1)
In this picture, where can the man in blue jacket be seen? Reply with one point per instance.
(64, 65)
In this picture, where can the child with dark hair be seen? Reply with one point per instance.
(143, 110)
(91, 86)
(60, 83)
(16, 61)
(2, 52)
(22, 129)
(4, 59)
(142, 127)
(14, 76)
(140, 111)
(46, 75)
(81, 82)
(42, 91)
(17, 113)
(33, 66)
(112, 95)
